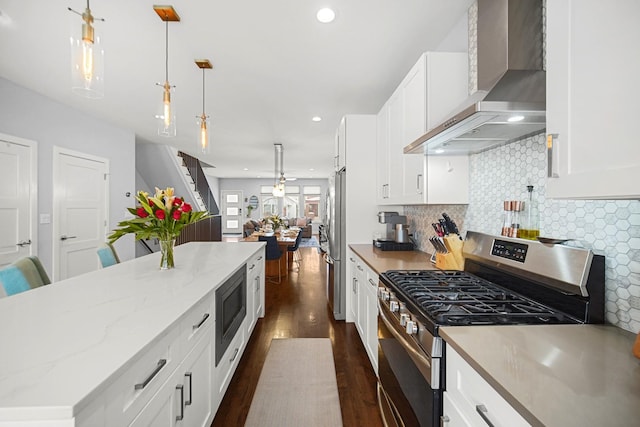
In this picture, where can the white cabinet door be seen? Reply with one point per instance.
(352, 289)
(396, 156)
(451, 414)
(382, 155)
(255, 291)
(371, 342)
(340, 146)
(361, 281)
(592, 71)
(197, 386)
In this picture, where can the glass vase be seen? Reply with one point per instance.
(166, 250)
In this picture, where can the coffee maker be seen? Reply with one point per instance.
(397, 234)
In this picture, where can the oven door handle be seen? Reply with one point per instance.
(419, 359)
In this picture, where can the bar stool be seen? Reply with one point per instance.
(107, 255)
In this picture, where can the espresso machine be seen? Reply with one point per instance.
(396, 237)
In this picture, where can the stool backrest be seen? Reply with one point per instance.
(107, 255)
(272, 251)
(22, 275)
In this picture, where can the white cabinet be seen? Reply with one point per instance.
(186, 397)
(435, 85)
(592, 87)
(364, 287)
(352, 275)
(255, 291)
(340, 152)
(471, 399)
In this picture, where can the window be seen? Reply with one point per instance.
(290, 206)
(268, 205)
(311, 201)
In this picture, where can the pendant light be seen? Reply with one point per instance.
(167, 114)
(278, 186)
(203, 120)
(87, 58)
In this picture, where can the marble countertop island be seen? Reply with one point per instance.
(62, 343)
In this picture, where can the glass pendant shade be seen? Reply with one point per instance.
(203, 134)
(87, 57)
(166, 115)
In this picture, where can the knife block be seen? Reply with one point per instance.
(453, 260)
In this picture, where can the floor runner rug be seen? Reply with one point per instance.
(297, 386)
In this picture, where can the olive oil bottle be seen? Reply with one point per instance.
(529, 218)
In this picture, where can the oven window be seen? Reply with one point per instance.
(231, 308)
(415, 402)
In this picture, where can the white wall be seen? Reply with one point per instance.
(29, 115)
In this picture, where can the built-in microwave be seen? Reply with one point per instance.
(231, 308)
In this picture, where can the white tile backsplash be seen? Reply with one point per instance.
(608, 227)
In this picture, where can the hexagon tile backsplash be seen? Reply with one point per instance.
(608, 227)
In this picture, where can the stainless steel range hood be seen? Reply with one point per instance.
(505, 41)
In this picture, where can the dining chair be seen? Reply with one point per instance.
(107, 255)
(22, 275)
(272, 253)
(294, 250)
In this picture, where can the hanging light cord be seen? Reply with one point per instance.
(81, 14)
(166, 51)
(203, 92)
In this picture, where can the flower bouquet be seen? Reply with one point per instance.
(275, 221)
(163, 217)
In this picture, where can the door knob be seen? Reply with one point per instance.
(24, 243)
(65, 237)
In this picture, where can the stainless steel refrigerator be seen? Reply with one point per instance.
(337, 251)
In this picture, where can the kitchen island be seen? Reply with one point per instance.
(101, 348)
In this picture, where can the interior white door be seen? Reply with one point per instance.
(232, 212)
(18, 175)
(80, 201)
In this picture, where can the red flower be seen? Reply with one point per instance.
(178, 201)
(141, 212)
(160, 214)
(177, 214)
(186, 207)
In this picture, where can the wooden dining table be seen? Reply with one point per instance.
(286, 239)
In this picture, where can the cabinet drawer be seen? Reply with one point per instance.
(472, 395)
(197, 322)
(229, 361)
(131, 391)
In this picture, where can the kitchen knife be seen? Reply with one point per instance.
(438, 229)
(453, 227)
(443, 224)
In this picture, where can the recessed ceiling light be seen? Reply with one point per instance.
(245, 169)
(439, 150)
(515, 118)
(326, 15)
(316, 118)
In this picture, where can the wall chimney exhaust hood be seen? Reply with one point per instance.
(508, 93)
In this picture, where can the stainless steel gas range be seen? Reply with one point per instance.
(506, 281)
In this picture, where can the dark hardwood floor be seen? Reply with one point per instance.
(297, 308)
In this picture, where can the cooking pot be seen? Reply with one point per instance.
(402, 233)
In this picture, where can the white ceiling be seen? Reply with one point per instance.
(275, 66)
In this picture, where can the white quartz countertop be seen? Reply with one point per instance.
(61, 343)
(557, 375)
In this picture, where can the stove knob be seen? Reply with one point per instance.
(393, 306)
(404, 318)
(383, 294)
(412, 327)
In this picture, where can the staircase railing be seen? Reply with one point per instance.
(209, 229)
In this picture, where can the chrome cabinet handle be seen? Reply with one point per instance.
(159, 366)
(181, 388)
(260, 258)
(552, 153)
(235, 354)
(360, 268)
(418, 186)
(204, 319)
(65, 237)
(372, 283)
(190, 376)
(444, 420)
(252, 267)
(483, 411)
(24, 243)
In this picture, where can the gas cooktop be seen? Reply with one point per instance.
(447, 298)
